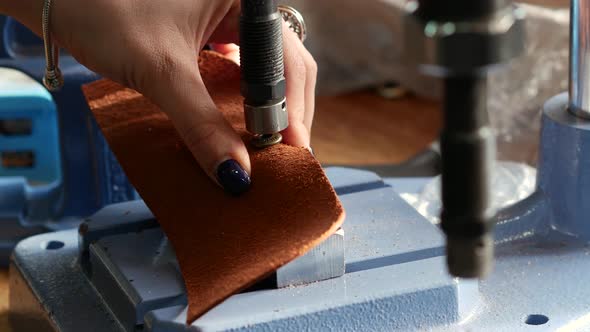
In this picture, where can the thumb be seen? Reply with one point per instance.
(213, 142)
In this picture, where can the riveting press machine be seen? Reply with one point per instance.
(390, 268)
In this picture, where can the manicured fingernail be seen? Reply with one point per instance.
(232, 177)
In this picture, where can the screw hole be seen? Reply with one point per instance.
(52, 245)
(536, 319)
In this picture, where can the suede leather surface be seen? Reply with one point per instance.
(223, 243)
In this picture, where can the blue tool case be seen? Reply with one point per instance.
(56, 166)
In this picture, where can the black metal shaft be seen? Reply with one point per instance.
(467, 141)
(261, 52)
(467, 150)
(258, 8)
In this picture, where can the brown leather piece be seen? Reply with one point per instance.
(223, 243)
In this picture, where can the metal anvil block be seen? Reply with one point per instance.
(323, 262)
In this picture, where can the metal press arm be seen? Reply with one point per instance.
(459, 41)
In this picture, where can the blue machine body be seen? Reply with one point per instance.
(119, 273)
(30, 167)
(126, 277)
(564, 167)
(67, 153)
(29, 105)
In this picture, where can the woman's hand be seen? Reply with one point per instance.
(152, 45)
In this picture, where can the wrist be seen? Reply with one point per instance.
(27, 12)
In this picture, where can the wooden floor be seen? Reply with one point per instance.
(362, 128)
(4, 301)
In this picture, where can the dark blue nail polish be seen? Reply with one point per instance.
(233, 178)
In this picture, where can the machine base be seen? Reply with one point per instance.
(395, 278)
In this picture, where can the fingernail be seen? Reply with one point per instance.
(232, 177)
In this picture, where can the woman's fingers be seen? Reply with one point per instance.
(310, 84)
(215, 145)
(213, 142)
(296, 75)
(311, 72)
(230, 51)
(300, 74)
